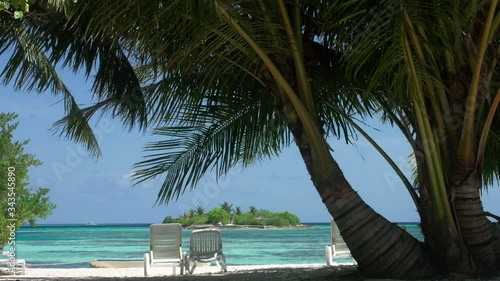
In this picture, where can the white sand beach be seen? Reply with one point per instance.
(239, 273)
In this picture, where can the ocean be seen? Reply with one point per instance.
(70, 246)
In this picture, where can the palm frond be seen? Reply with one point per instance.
(32, 70)
(214, 137)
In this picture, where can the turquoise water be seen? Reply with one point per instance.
(76, 245)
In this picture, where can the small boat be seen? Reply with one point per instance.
(91, 223)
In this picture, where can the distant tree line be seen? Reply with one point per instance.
(226, 214)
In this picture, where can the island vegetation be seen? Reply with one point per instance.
(225, 214)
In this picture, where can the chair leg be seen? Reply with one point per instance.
(193, 267)
(329, 254)
(183, 263)
(146, 264)
(223, 263)
(23, 267)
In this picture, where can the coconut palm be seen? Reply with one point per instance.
(252, 210)
(438, 74)
(231, 82)
(199, 210)
(186, 215)
(238, 211)
(227, 207)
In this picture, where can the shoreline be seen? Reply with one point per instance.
(247, 273)
(244, 226)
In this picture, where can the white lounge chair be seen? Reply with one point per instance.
(19, 264)
(205, 246)
(165, 247)
(338, 249)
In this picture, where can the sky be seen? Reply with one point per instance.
(86, 189)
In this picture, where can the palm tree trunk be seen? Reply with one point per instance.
(496, 242)
(447, 250)
(381, 248)
(476, 229)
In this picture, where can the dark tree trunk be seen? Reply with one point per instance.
(447, 250)
(381, 248)
(476, 230)
(495, 230)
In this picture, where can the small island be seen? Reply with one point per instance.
(225, 216)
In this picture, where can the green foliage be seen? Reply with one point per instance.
(238, 211)
(17, 8)
(18, 201)
(218, 215)
(21, 5)
(264, 213)
(283, 219)
(198, 219)
(227, 207)
(247, 219)
(169, 219)
(267, 218)
(252, 209)
(200, 210)
(4, 5)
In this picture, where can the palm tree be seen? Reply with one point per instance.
(438, 75)
(186, 215)
(227, 207)
(200, 210)
(252, 210)
(192, 213)
(235, 80)
(238, 211)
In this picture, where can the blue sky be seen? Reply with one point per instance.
(100, 190)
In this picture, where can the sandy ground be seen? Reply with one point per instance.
(289, 272)
(239, 273)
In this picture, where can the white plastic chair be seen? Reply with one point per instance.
(205, 246)
(338, 249)
(17, 263)
(165, 247)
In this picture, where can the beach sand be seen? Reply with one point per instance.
(289, 272)
(238, 273)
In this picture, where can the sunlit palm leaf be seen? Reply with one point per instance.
(230, 134)
(181, 64)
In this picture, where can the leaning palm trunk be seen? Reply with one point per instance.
(440, 62)
(475, 228)
(381, 248)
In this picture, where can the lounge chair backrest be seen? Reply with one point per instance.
(205, 243)
(337, 239)
(165, 240)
